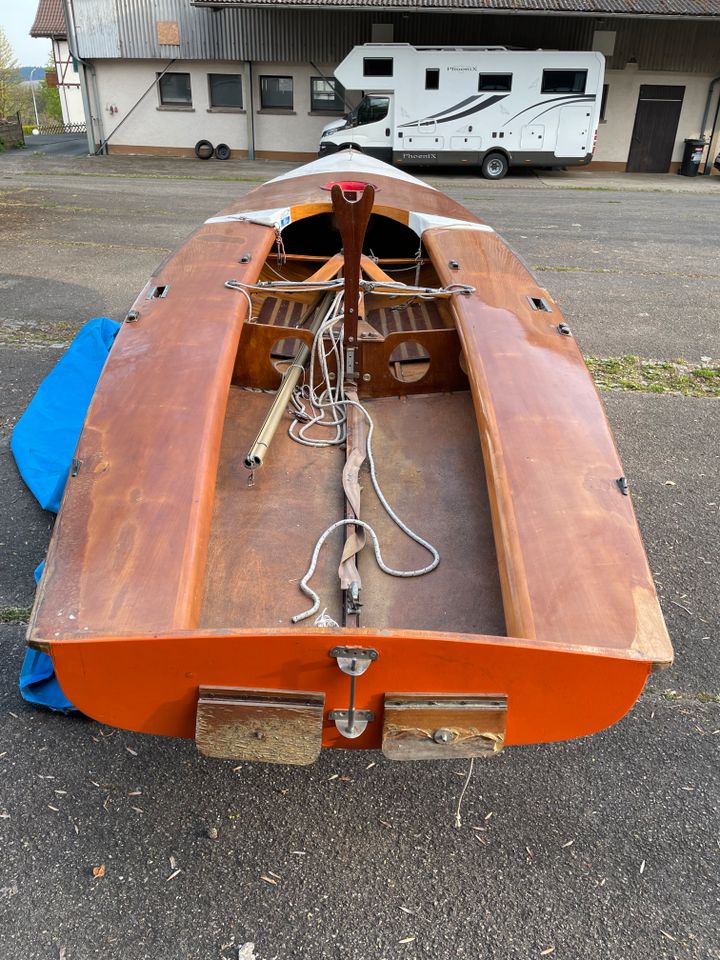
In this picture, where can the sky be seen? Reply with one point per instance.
(16, 18)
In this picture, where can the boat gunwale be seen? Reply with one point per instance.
(360, 633)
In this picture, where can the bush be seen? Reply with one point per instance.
(28, 128)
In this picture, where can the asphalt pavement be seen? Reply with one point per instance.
(59, 145)
(603, 847)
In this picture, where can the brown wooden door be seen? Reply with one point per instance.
(656, 121)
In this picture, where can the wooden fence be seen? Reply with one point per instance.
(11, 133)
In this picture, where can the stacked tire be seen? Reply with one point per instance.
(204, 150)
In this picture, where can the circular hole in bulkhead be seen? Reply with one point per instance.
(283, 351)
(409, 361)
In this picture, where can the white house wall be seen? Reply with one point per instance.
(614, 134)
(71, 102)
(153, 128)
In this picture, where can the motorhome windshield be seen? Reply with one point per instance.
(369, 110)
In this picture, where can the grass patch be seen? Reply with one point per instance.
(135, 176)
(655, 376)
(702, 697)
(59, 334)
(14, 614)
(624, 271)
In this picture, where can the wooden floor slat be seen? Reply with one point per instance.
(262, 536)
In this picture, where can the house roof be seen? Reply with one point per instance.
(49, 20)
(659, 8)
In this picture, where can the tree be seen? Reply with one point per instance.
(49, 97)
(9, 77)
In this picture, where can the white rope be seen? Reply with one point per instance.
(325, 620)
(332, 400)
(458, 818)
(308, 590)
(386, 288)
(240, 287)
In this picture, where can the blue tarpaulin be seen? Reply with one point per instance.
(43, 444)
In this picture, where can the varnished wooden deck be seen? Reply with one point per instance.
(430, 466)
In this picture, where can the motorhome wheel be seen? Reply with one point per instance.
(494, 166)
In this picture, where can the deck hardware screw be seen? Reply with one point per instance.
(245, 258)
(564, 329)
(132, 316)
(366, 377)
(453, 264)
(444, 736)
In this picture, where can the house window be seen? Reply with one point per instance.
(603, 102)
(326, 95)
(495, 81)
(175, 90)
(276, 93)
(432, 79)
(564, 81)
(377, 67)
(225, 90)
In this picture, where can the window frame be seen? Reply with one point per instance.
(370, 97)
(174, 104)
(554, 70)
(497, 88)
(217, 107)
(338, 90)
(274, 108)
(373, 74)
(603, 102)
(436, 78)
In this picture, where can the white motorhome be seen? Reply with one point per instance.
(488, 107)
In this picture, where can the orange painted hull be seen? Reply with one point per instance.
(150, 684)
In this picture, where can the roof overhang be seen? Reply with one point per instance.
(50, 20)
(603, 9)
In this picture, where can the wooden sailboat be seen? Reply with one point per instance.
(346, 482)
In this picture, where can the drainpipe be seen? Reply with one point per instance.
(251, 113)
(708, 168)
(707, 107)
(96, 96)
(72, 50)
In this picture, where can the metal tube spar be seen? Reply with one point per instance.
(256, 453)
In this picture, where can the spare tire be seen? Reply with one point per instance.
(222, 152)
(204, 149)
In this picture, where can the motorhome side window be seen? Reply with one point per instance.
(432, 79)
(564, 81)
(494, 81)
(377, 67)
(372, 109)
